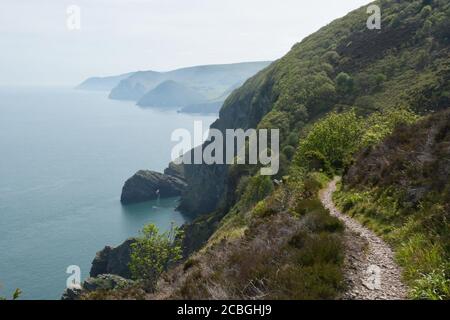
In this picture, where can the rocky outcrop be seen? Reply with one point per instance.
(175, 170)
(197, 233)
(102, 282)
(147, 185)
(112, 260)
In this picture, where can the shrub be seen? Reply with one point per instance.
(16, 295)
(289, 151)
(432, 286)
(316, 282)
(154, 252)
(332, 57)
(381, 124)
(257, 189)
(335, 138)
(322, 248)
(426, 11)
(316, 161)
(319, 221)
(344, 83)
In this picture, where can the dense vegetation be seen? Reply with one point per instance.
(342, 66)
(344, 98)
(400, 189)
(289, 230)
(331, 143)
(153, 253)
(371, 81)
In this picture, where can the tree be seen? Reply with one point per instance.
(257, 189)
(381, 124)
(344, 83)
(289, 151)
(335, 138)
(154, 252)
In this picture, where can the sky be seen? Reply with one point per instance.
(119, 36)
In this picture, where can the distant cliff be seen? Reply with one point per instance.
(170, 94)
(343, 65)
(148, 185)
(102, 83)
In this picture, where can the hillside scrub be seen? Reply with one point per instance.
(401, 190)
(286, 247)
(331, 142)
(343, 99)
(153, 253)
(342, 66)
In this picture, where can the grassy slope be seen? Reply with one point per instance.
(388, 68)
(403, 64)
(401, 190)
(277, 241)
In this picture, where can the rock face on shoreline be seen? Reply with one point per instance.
(102, 282)
(175, 170)
(112, 260)
(146, 185)
(110, 270)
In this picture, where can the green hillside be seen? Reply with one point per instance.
(338, 97)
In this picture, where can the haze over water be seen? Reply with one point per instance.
(65, 155)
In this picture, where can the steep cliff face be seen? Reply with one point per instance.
(148, 185)
(113, 260)
(343, 65)
(250, 226)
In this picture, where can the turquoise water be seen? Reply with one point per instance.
(64, 156)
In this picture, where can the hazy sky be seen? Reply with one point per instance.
(119, 36)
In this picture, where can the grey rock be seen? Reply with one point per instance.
(106, 282)
(175, 170)
(114, 261)
(72, 294)
(102, 282)
(146, 185)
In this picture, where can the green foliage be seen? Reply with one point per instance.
(426, 11)
(434, 285)
(154, 252)
(16, 295)
(381, 124)
(337, 68)
(418, 236)
(316, 257)
(310, 261)
(257, 189)
(331, 140)
(316, 161)
(289, 151)
(344, 83)
(332, 57)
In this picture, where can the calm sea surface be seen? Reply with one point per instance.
(64, 156)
